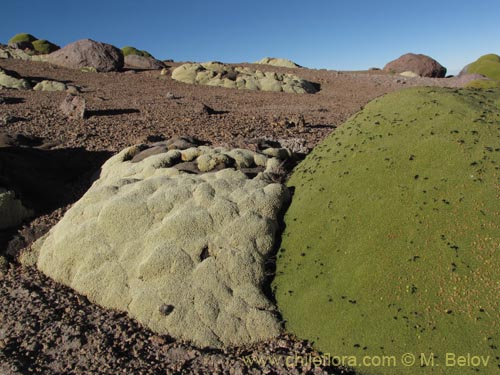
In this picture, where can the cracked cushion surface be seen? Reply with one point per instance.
(183, 254)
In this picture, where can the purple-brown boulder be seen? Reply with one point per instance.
(422, 65)
(88, 53)
(143, 62)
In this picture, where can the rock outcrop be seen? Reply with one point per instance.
(218, 74)
(182, 253)
(422, 65)
(88, 53)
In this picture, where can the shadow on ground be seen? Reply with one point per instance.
(45, 179)
(111, 112)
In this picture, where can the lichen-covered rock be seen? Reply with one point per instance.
(392, 238)
(422, 65)
(183, 254)
(88, 53)
(143, 62)
(47, 85)
(12, 210)
(218, 74)
(10, 80)
(274, 61)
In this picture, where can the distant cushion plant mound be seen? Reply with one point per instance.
(278, 62)
(392, 238)
(487, 65)
(224, 75)
(128, 50)
(23, 37)
(43, 46)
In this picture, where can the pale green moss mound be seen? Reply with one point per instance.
(184, 254)
(223, 75)
(392, 240)
(487, 65)
(12, 211)
(274, 61)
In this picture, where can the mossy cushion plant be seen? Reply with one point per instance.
(44, 46)
(23, 37)
(483, 84)
(392, 238)
(134, 51)
(487, 65)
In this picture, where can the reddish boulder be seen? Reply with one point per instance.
(422, 65)
(88, 53)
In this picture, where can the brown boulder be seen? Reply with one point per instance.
(422, 65)
(142, 62)
(88, 53)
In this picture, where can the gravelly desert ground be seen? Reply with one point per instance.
(47, 328)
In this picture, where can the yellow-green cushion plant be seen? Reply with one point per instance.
(134, 51)
(487, 65)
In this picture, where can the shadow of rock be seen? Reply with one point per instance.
(13, 100)
(111, 112)
(321, 126)
(35, 79)
(44, 179)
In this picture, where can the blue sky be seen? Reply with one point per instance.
(344, 35)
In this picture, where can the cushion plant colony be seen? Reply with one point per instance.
(391, 243)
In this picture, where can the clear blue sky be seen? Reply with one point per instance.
(344, 35)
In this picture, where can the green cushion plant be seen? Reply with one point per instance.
(44, 46)
(23, 37)
(128, 50)
(487, 65)
(392, 238)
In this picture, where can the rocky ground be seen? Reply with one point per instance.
(47, 328)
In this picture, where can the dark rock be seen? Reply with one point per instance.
(188, 167)
(203, 109)
(422, 65)
(73, 106)
(88, 53)
(149, 152)
(24, 45)
(183, 143)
